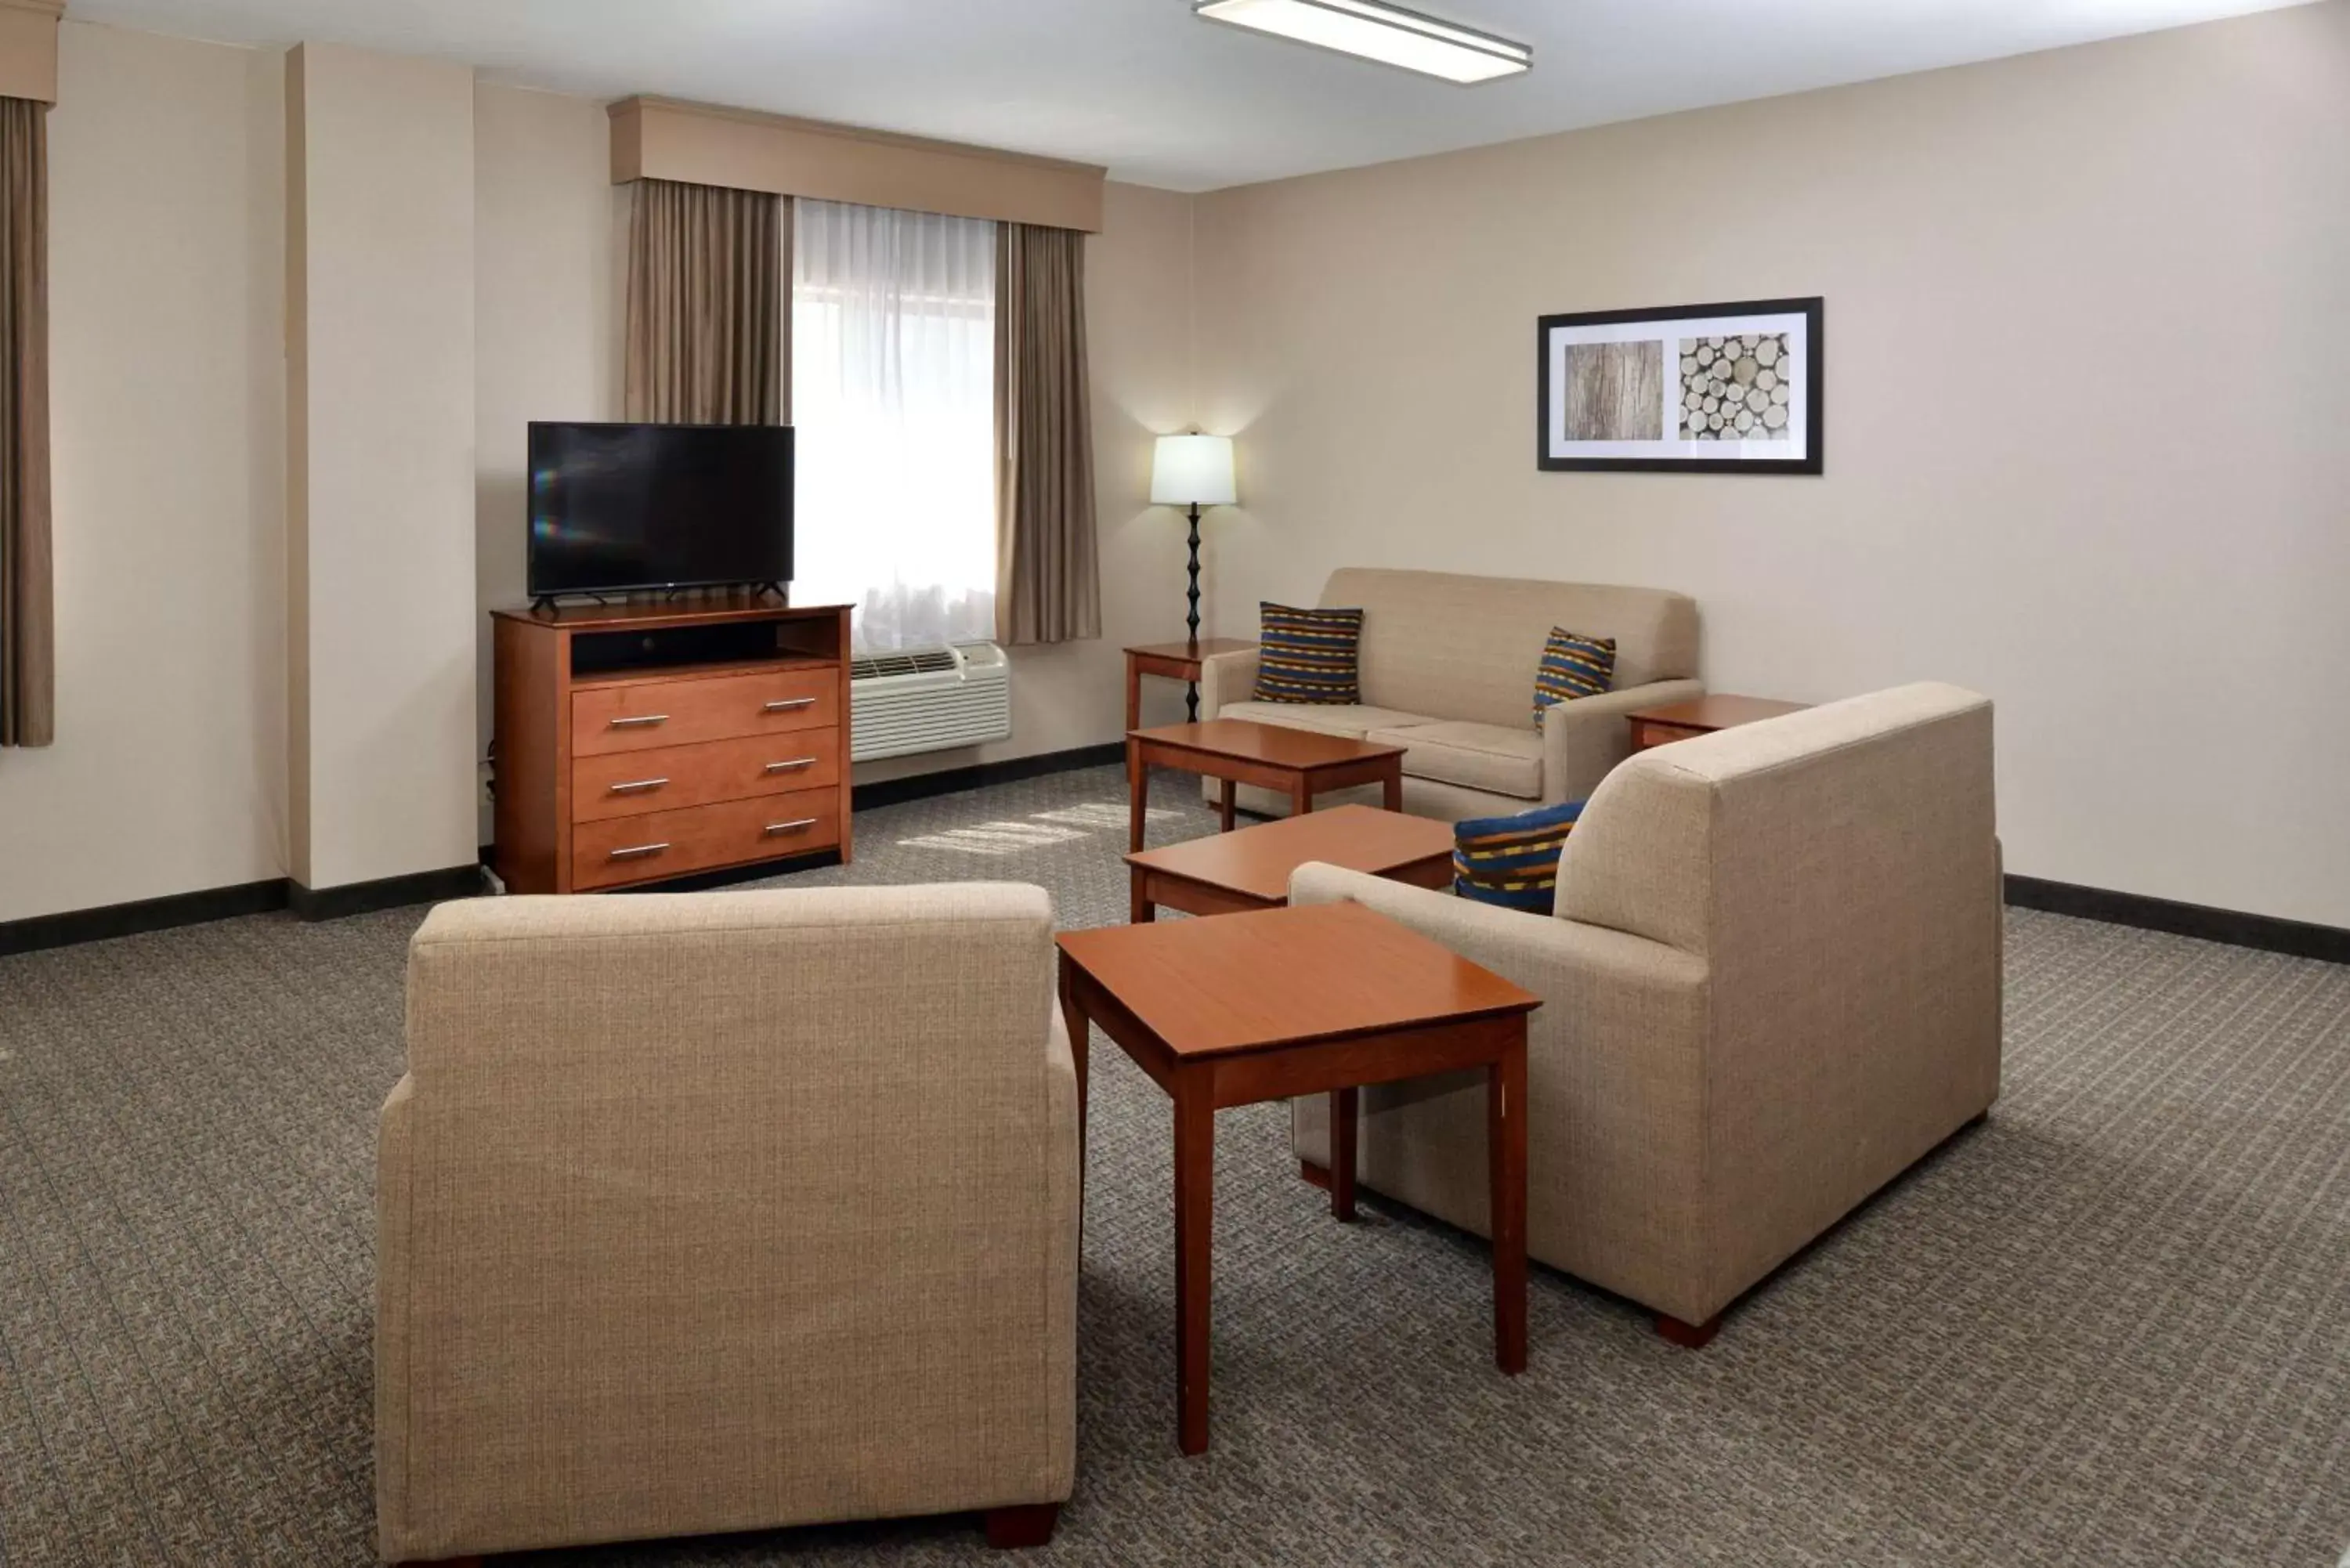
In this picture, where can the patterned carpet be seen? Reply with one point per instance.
(2112, 1326)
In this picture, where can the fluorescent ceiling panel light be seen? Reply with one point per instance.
(1387, 34)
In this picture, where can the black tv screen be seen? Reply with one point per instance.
(615, 507)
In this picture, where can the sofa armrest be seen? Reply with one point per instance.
(1582, 739)
(1226, 678)
(1554, 958)
(1615, 1073)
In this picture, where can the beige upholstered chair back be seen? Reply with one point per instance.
(1850, 827)
(1467, 648)
(669, 1174)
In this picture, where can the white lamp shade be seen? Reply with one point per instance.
(1192, 471)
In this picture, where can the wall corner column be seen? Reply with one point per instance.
(380, 466)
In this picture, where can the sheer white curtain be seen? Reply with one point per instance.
(893, 396)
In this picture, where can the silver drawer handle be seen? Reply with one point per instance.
(784, 705)
(638, 786)
(801, 825)
(637, 851)
(792, 766)
(640, 721)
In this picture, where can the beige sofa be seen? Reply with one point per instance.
(1772, 983)
(1448, 671)
(726, 1211)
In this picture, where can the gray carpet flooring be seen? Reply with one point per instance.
(2110, 1326)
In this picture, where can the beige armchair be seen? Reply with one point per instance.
(1448, 667)
(1772, 983)
(726, 1211)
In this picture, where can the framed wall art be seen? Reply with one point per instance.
(1695, 389)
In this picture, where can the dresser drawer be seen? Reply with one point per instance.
(666, 778)
(657, 713)
(698, 839)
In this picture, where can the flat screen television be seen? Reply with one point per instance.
(616, 507)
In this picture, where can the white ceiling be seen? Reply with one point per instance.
(1159, 97)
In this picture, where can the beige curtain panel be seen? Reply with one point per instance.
(709, 321)
(28, 664)
(1047, 570)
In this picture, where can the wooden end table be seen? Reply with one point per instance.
(1281, 1003)
(1176, 661)
(1301, 763)
(1227, 873)
(1703, 716)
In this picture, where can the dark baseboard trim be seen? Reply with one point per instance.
(386, 893)
(76, 926)
(955, 781)
(2302, 939)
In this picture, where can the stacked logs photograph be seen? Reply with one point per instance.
(1735, 388)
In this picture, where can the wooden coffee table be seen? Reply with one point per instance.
(1702, 716)
(1281, 1003)
(1226, 873)
(1299, 762)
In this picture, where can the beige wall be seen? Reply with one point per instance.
(168, 771)
(383, 661)
(2085, 317)
(2109, 261)
(547, 228)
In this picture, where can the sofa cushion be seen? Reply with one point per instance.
(1512, 861)
(1352, 720)
(1307, 656)
(1462, 647)
(1572, 666)
(1491, 757)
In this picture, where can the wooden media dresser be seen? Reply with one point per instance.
(651, 739)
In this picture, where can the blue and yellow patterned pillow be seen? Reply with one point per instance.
(1572, 666)
(1512, 861)
(1308, 655)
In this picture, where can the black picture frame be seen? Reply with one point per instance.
(1812, 309)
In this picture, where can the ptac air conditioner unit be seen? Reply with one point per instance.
(927, 698)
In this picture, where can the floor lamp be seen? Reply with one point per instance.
(1193, 471)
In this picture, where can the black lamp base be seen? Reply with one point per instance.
(1192, 688)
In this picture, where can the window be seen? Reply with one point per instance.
(893, 396)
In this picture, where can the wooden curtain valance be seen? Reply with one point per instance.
(28, 49)
(660, 139)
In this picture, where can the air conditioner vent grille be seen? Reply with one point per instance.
(918, 662)
(913, 699)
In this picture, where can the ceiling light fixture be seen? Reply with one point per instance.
(1388, 33)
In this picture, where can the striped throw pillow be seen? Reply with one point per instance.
(1308, 655)
(1512, 861)
(1572, 666)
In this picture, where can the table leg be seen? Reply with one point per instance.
(1140, 909)
(1342, 1153)
(1301, 796)
(1224, 805)
(1195, 1188)
(1393, 791)
(1506, 1101)
(1133, 694)
(1137, 793)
